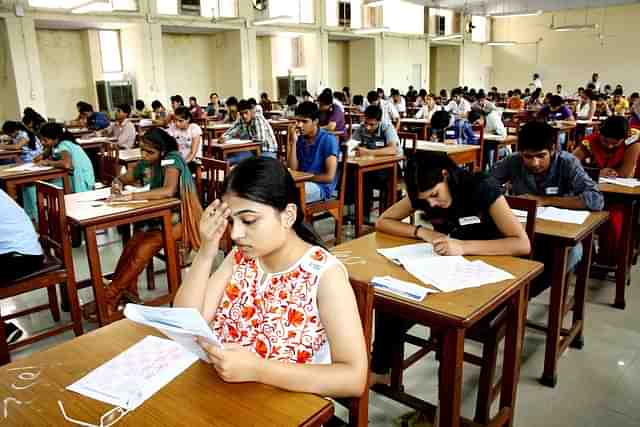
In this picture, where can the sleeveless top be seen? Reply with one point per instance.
(276, 315)
(599, 157)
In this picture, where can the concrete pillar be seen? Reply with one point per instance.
(248, 68)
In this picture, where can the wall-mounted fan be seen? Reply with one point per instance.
(260, 5)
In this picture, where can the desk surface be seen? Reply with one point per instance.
(7, 173)
(299, 176)
(197, 397)
(573, 232)
(363, 161)
(415, 121)
(619, 189)
(446, 148)
(460, 307)
(498, 138)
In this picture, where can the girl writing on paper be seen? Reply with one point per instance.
(167, 175)
(469, 215)
(280, 302)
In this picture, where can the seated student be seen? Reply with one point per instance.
(159, 112)
(331, 115)
(196, 110)
(300, 329)
(535, 101)
(32, 120)
(586, 108)
(602, 107)
(527, 93)
(615, 153)
(167, 175)
(619, 105)
(346, 91)
(559, 91)
(265, 102)
(556, 110)
(142, 111)
(315, 151)
(292, 105)
(251, 126)
(399, 102)
(257, 108)
(232, 110)
(92, 120)
(122, 129)
(214, 107)
(422, 98)
(470, 216)
(458, 106)
(514, 102)
(339, 99)
(634, 120)
(483, 104)
(176, 102)
(552, 178)
(306, 96)
(358, 101)
(188, 136)
(81, 119)
(390, 115)
(21, 139)
(428, 108)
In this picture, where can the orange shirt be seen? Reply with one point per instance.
(515, 104)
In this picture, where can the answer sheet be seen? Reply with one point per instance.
(416, 251)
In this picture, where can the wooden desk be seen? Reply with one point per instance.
(423, 124)
(11, 180)
(10, 155)
(197, 397)
(77, 132)
(221, 151)
(629, 198)
(94, 143)
(300, 178)
(500, 141)
(129, 156)
(567, 128)
(216, 129)
(559, 237)
(360, 166)
(461, 154)
(84, 215)
(453, 313)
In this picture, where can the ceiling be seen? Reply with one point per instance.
(483, 7)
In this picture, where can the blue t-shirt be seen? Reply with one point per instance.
(563, 113)
(16, 229)
(312, 158)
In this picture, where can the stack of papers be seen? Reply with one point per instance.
(625, 182)
(399, 254)
(238, 141)
(453, 273)
(135, 375)
(401, 288)
(569, 216)
(182, 325)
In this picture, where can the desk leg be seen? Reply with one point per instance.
(66, 184)
(622, 270)
(173, 272)
(12, 190)
(302, 196)
(558, 283)
(513, 350)
(359, 201)
(393, 187)
(450, 382)
(96, 274)
(579, 294)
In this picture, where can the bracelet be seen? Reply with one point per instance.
(415, 231)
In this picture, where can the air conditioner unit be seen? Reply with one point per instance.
(114, 93)
(440, 25)
(190, 7)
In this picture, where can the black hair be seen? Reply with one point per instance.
(231, 101)
(494, 88)
(161, 141)
(178, 99)
(11, 127)
(264, 95)
(267, 181)
(245, 105)
(340, 97)
(527, 90)
(536, 76)
(443, 93)
(84, 107)
(473, 116)
(252, 103)
(139, 104)
(372, 96)
(373, 112)
(510, 93)
(33, 119)
(634, 95)
(481, 94)
(536, 136)
(618, 92)
(306, 93)
(607, 86)
(308, 110)
(346, 90)
(556, 101)
(193, 98)
(57, 132)
(358, 100)
(291, 100)
(395, 92)
(439, 123)
(125, 108)
(423, 92)
(325, 98)
(589, 94)
(156, 104)
(591, 86)
(183, 113)
(456, 92)
(214, 93)
(616, 127)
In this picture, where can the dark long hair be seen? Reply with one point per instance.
(57, 132)
(161, 141)
(11, 127)
(267, 181)
(32, 119)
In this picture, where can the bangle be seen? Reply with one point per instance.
(415, 231)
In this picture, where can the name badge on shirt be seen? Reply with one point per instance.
(551, 191)
(379, 144)
(166, 162)
(468, 220)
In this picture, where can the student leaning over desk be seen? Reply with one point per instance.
(280, 302)
(469, 215)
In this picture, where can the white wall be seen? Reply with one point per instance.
(476, 65)
(399, 55)
(403, 17)
(445, 68)
(338, 64)
(362, 66)
(569, 58)
(8, 94)
(66, 71)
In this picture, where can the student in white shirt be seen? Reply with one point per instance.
(595, 81)
(188, 135)
(587, 106)
(122, 128)
(537, 82)
(458, 106)
(389, 114)
(398, 102)
(428, 108)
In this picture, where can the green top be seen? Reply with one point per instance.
(82, 176)
(152, 174)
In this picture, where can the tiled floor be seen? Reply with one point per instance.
(598, 385)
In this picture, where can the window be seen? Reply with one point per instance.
(302, 11)
(479, 30)
(110, 51)
(297, 52)
(344, 13)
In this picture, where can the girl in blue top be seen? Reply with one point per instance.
(23, 139)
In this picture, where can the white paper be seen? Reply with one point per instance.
(520, 215)
(88, 196)
(452, 273)
(401, 288)
(416, 252)
(28, 167)
(625, 182)
(238, 141)
(136, 374)
(570, 216)
(131, 154)
(180, 324)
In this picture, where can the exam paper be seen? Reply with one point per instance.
(180, 324)
(625, 182)
(570, 216)
(416, 251)
(28, 167)
(452, 273)
(136, 374)
(401, 288)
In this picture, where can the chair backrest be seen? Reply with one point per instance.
(282, 132)
(480, 129)
(531, 207)
(52, 222)
(110, 161)
(210, 185)
(594, 173)
(342, 172)
(404, 138)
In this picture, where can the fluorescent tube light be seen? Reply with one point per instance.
(579, 27)
(449, 37)
(93, 6)
(515, 14)
(283, 19)
(376, 30)
(374, 3)
(501, 43)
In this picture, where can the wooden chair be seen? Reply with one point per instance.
(109, 162)
(283, 133)
(489, 332)
(56, 269)
(334, 206)
(480, 129)
(359, 406)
